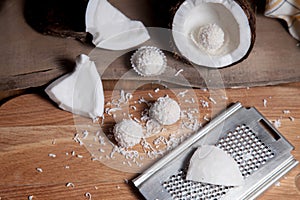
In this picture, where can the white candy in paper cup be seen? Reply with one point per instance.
(149, 61)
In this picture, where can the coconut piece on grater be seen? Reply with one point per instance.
(210, 164)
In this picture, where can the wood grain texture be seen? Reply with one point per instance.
(31, 127)
(30, 59)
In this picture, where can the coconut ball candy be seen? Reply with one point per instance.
(209, 37)
(128, 133)
(165, 110)
(149, 61)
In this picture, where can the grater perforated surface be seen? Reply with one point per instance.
(180, 188)
(261, 152)
(243, 145)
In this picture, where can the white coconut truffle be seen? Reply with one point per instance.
(209, 37)
(128, 133)
(165, 110)
(149, 61)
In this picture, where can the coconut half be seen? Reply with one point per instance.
(214, 33)
(212, 165)
(111, 29)
(80, 92)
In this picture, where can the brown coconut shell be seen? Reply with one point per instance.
(60, 18)
(168, 8)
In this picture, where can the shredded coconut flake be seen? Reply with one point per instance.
(277, 123)
(206, 118)
(178, 72)
(30, 197)
(51, 155)
(79, 156)
(182, 94)
(88, 195)
(212, 100)
(156, 90)
(277, 184)
(133, 107)
(292, 118)
(137, 120)
(110, 111)
(69, 184)
(39, 169)
(101, 150)
(142, 100)
(77, 139)
(204, 103)
(54, 141)
(85, 134)
(224, 97)
(265, 102)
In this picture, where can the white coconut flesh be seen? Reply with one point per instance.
(210, 164)
(80, 92)
(212, 33)
(111, 29)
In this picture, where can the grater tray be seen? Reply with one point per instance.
(261, 152)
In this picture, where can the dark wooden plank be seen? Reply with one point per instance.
(29, 59)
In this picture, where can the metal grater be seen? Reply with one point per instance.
(262, 153)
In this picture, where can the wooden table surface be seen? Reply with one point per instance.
(31, 59)
(32, 127)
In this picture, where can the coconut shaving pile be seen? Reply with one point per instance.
(138, 150)
(156, 138)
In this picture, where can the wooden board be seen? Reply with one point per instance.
(31, 127)
(29, 59)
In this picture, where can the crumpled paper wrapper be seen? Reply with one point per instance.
(289, 11)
